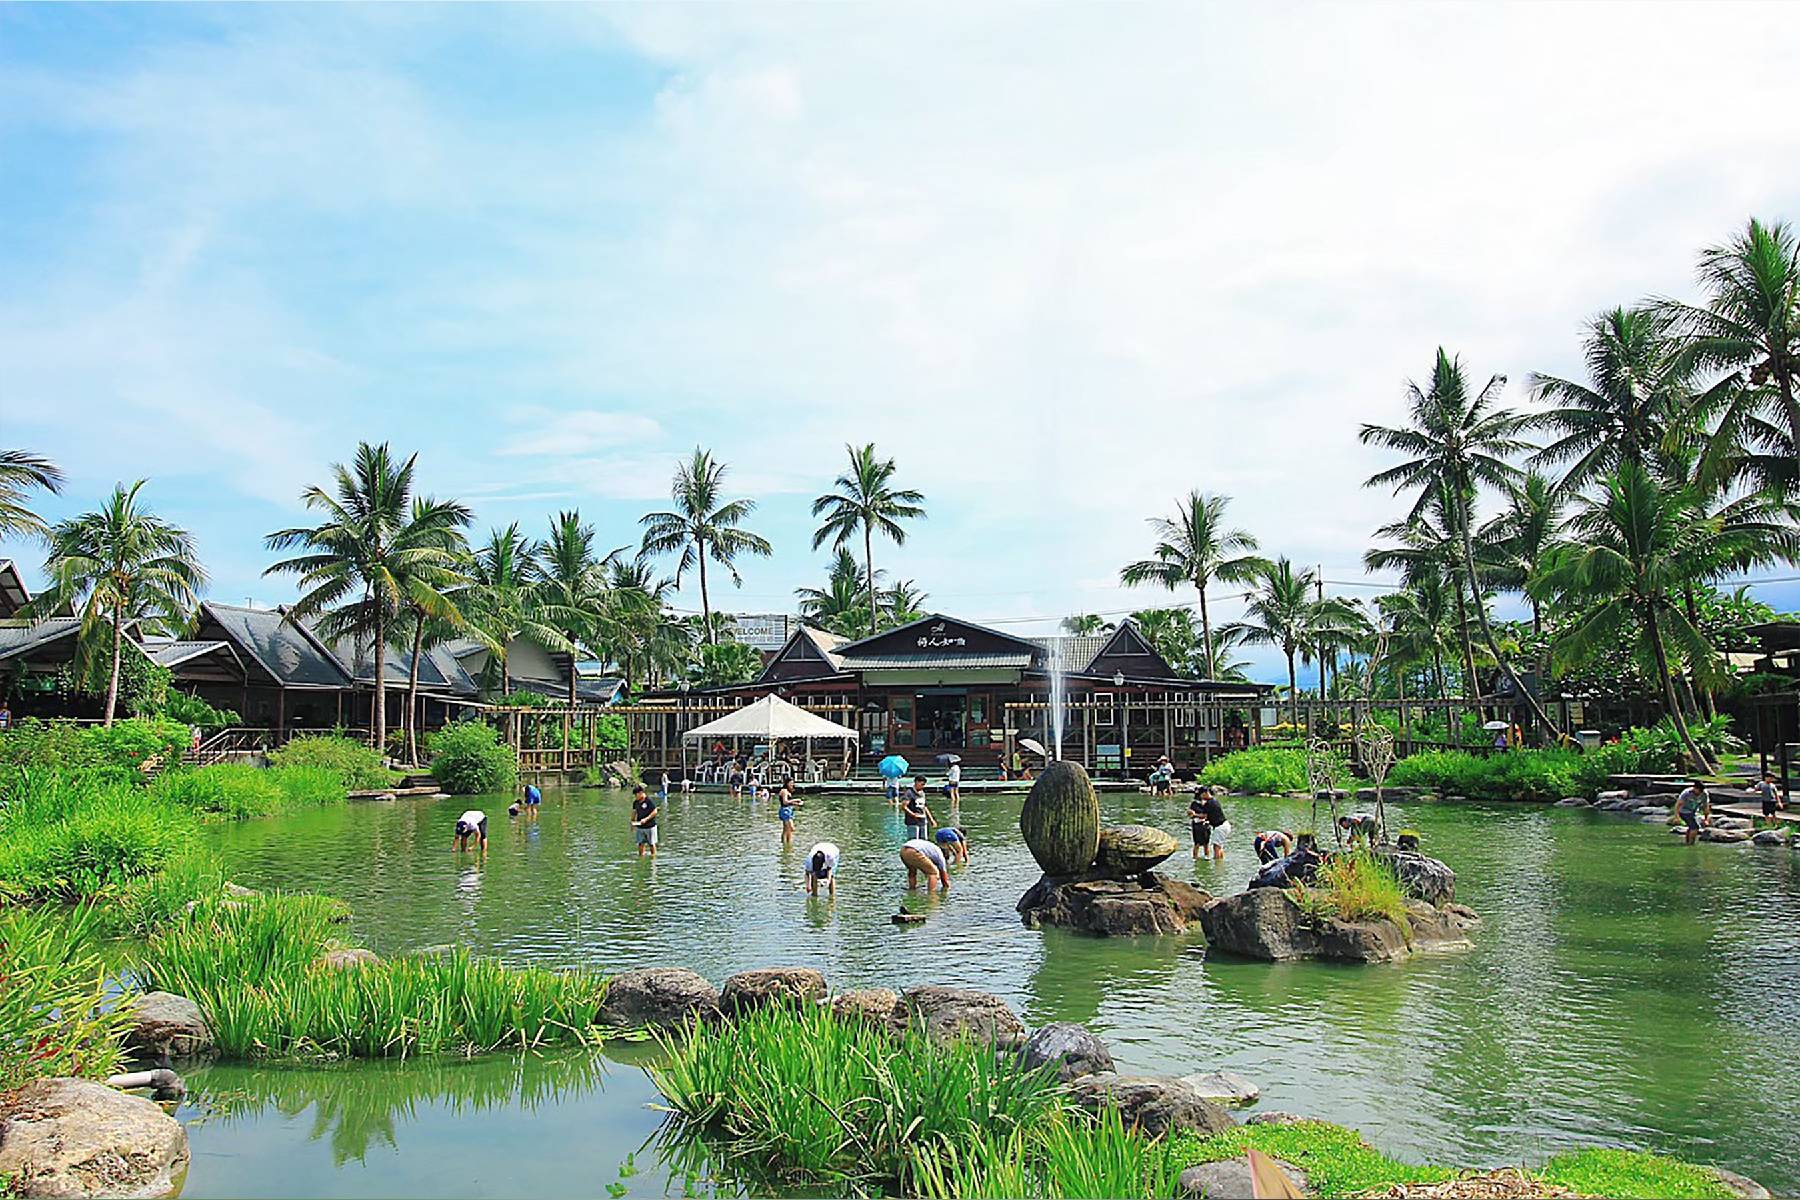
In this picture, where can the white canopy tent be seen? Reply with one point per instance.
(772, 719)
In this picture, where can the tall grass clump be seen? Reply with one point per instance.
(1068, 1153)
(56, 1017)
(1355, 886)
(1258, 771)
(236, 791)
(66, 839)
(468, 757)
(805, 1096)
(252, 966)
(356, 765)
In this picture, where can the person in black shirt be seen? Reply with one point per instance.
(914, 811)
(1207, 816)
(643, 821)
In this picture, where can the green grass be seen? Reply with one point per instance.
(1336, 1160)
(236, 791)
(804, 1097)
(65, 839)
(249, 965)
(1606, 1172)
(1354, 886)
(56, 1017)
(1258, 771)
(356, 766)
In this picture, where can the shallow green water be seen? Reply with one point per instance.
(1625, 990)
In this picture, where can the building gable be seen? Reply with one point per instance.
(938, 638)
(1130, 653)
(807, 654)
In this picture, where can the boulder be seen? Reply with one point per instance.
(1223, 1087)
(878, 1006)
(166, 1026)
(1154, 1104)
(947, 1013)
(771, 985)
(346, 958)
(1572, 802)
(1148, 904)
(238, 891)
(1730, 822)
(1741, 1186)
(1127, 850)
(1422, 876)
(1715, 834)
(76, 1137)
(1275, 1116)
(1229, 1179)
(1769, 837)
(1266, 924)
(1074, 1050)
(1652, 812)
(1616, 794)
(1061, 819)
(657, 996)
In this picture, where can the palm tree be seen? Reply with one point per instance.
(866, 500)
(21, 472)
(125, 568)
(1519, 540)
(702, 526)
(367, 558)
(430, 589)
(1227, 639)
(1749, 330)
(1086, 623)
(646, 640)
(1278, 613)
(1457, 443)
(1638, 400)
(841, 602)
(1630, 550)
(1196, 548)
(508, 599)
(1334, 625)
(1429, 553)
(1171, 632)
(572, 584)
(906, 601)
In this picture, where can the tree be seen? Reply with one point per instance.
(1418, 622)
(841, 604)
(1630, 550)
(572, 589)
(1086, 623)
(430, 587)
(1519, 540)
(22, 472)
(1749, 332)
(1429, 552)
(724, 663)
(1227, 640)
(906, 602)
(1278, 614)
(1171, 632)
(367, 558)
(702, 525)
(1196, 548)
(646, 639)
(508, 600)
(866, 501)
(1636, 405)
(1457, 443)
(124, 568)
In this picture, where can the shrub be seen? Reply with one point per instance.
(1511, 775)
(192, 710)
(469, 757)
(357, 766)
(56, 1014)
(1355, 886)
(1258, 770)
(67, 839)
(249, 965)
(65, 746)
(239, 790)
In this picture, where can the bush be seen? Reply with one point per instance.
(35, 745)
(56, 1014)
(238, 790)
(468, 757)
(1354, 886)
(193, 711)
(66, 839)
(357, 766)
(249, 965)
(1261, 770)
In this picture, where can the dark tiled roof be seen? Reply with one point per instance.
(14, 595)
(283, 649)
(21, 637)
(1079, 649)
(587, 690)
(170, 652)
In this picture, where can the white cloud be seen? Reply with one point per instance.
(564, 435)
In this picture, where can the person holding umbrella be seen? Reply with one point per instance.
(893, 768)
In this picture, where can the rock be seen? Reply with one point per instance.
(658, 996)
(1073, 1048)
(771, 985)
(1422, 876)
(1127, 850)
(1061, 819)
(1223, 1087)
(1730, 822)
(1149, 904)
(1715, 834)
(1652, 812)
(166, 1026)
(1275, 1116)
(947, 1013)
(879, 1006)
(907, 918)
(1154, 1104)
(346, 958)
(1266, 924)
(238, 892)
(1572, 802)
(76, 1137)
(1741, 1186)
(1229, 1179)
(1769, 837)
(1612, 795)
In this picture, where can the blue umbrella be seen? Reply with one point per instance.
(893, 767)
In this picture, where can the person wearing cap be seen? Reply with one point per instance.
(821, 865)
(471, 827)
(1694, 807)
(953, 842)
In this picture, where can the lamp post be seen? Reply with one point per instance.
(681, 721)
(1118, 681)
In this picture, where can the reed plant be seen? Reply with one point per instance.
(57, 1014)
(1355, 886)
(1069, 1153)
(253, 966)
(236, 791)
(799, 1094)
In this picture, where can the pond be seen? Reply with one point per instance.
(1625, 989)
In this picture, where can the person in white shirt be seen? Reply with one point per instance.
(822, 865)
(924, 858)
(953, 784)
(471, 826)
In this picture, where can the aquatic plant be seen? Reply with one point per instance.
(56, 1015)
(1355, 886)
(468, 757)
(252, 965)
(1258, 771)
(239, 790)
(66, 839)
(1068, 1153)
(811, 1098)
(357, 766)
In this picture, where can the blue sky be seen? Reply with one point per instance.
(1065, 262)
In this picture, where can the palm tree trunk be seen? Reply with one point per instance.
(705, 604)
(1294, 694)
(1700, 762)
(1707, 709)
(1471, 688)
(412, 689)
(1544, 724)
(118, 654)
(1206, 643)
(379, 732)
(869, 561)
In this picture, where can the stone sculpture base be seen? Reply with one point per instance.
(1103, 904)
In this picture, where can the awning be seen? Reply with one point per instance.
(771, 718)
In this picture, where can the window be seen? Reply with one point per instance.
(1103, 708)
(903, 720)
(1186, 716)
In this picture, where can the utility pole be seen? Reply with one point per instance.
(1319, 585)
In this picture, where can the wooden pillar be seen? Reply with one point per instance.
(1124, 733)
(280, 715)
